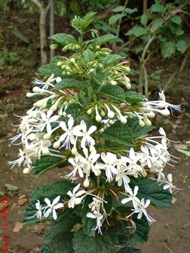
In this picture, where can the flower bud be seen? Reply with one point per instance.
(58, 79)
(47, 136)
(141, 123)
(74, 150)
(111, 114)
(123, 120)
(56, 144)
(150, 114)
(59, 63)
(98, 118)
(45, 151)
(53, 107)
(90, 71)
(27, 170)
(128, 85)
(54, 46)
(147, 121)
(86, 183)
(37, 90)
(102, 112)
(78, 201)
(90, 110)
(72, 60)
(39, 103)
(113, 82)
(31, 137)
(29, 94)
(165, 112)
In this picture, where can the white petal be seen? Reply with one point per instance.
(47, 201)
(59, 205)
(56, 200)
(54, 215)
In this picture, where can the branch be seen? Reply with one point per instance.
(40, 5)
(37, 3)
(168, 83)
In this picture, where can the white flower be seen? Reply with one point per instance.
(51, 208)
(160, 106)
(48, 83)
(168, 183)
(121, 176)
(109, 164)
(133, 167)
(132, 196)
(39, 208)
(89, 162)
(20, 160)
(86, 138)
(141, 209)
(99, 217)
(77, 166)
(47, 120)
(76, 197)
(69, 132)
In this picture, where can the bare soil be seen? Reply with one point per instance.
(169, 234)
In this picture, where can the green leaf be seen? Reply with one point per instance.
(88, 55)
(92, 244)
(157, 8)
(137, 31)
(51, 191)
(134, 97)
(118, 133)
(113, 91)
(58, 237)
(71, 84)
(168, 49)
(181, 46)
(130, 11)
(156, 24)
(47, 163)
(150, 189)
(119, 8)
(136, 129)
(74, 110)
(144, 19)
(100, 77)
(176, 19)
(87, 20)
(51, 68)
(185, 152)
(20, 35)
(114, 19)
(63, 38)
(141, 233)
(129, 250)
(61, 243)
(109, 60)
(104, 39)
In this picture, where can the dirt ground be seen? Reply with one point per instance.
(171, 231)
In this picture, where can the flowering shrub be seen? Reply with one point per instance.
(87, 123)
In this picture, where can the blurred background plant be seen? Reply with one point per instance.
(148, 30)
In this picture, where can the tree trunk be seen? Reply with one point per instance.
(42, 26)
(52, 25)
(43, 38)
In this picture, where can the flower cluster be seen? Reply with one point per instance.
(86, 122)
(51, 131)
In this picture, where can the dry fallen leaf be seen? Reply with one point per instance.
(22, 201)
(18, 227)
